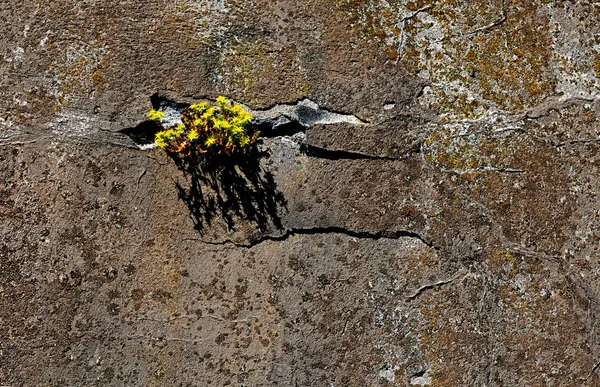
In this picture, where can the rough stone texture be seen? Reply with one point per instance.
(437, 225)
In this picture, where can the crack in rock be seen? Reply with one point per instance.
(480, 169)
(322, 230)
(279, 120)
(301, 115)
(422, 289)
(434, 285)
(331, 154)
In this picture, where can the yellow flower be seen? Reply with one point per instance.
(155, 115)
(161, 142)
(198, 107)
(219, 128)
(210, 141)
(164, 138)
(193, 135)
(221, 100)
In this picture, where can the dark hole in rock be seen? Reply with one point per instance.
(143, 134)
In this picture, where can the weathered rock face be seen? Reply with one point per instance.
(423, 208)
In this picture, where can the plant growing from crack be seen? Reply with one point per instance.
(214, 145)
(207, 129)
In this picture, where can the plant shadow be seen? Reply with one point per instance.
(230, 187)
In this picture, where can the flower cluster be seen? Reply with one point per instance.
(221, 129)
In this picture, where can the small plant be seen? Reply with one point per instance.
(219, 129)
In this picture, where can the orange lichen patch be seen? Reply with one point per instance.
(597, 63)
(520, 285)
(375, 22)
(507, 66)
(451, 150)
(372, 18)
(243, 66)
(501, 57)
(422, 258)
(503, 260)
(78, 69)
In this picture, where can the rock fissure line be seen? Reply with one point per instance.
(498, 117)
(278, 120)
(196, 318)
(434, 285)
(481, 169)
(485, 28)
(593, 370)
(304, 112)
(476, 31)
(330, 154)
(319, 231)
(415, 13)
(573, 142)
(304, 101)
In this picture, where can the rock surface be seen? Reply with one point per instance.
(423, 209)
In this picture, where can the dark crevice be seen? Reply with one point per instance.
(159, 101)
(329, 154)
(594, 369)
(155, 100)
(307, 110)
(143, 134)
(324, 230)
(268, 130)
(574, 142)
(279, 120)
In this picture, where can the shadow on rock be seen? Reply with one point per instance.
(233, 188)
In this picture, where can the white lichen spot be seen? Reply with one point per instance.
(306, 112)
(19, 54)
(207, 16)
(574, 63)
(423, 379)
(387, 372)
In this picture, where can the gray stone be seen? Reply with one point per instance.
(422, 208)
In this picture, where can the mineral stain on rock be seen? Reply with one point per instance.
(422, 210)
